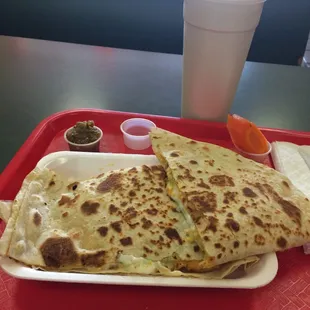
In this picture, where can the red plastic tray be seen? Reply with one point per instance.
(289, 290)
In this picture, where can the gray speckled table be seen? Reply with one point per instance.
(38, 78)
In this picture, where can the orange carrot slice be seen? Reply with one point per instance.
(246, 135)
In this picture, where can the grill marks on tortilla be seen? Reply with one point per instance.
(90, 207)
(222, 180)
(111, 183)
(57, 252)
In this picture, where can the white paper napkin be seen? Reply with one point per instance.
(294, 161)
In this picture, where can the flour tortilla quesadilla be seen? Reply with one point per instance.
(239, 207)
(119, 222)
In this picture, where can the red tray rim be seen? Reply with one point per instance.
(35, 134)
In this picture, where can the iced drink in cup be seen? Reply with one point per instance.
(217, 39)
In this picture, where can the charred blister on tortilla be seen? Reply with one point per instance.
(68, 201)
(73, 186)
(58, 252)
(90, 207)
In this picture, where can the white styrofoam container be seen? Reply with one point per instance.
(78, 166)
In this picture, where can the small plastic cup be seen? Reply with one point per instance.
(260, 158)
(88, 147)
(136, 133)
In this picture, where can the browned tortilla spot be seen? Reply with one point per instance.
(259, 239)
(288, 207)
(133, 226)
(146, 224)
(236, 244)
(147, 250)
(206, 238)
(130, 213)
(37, 218)
(243, 210)
(73, 186)
(230, 197)
(193, 162)
(211, 162)
(172, 234)
(219, 256)
(152, 211)
(58, 252)
(285, 184)
(126, 241)
(281, 242)
(117, 226)
(212, 225)
(247, 192)
(103, 231)
(217, 245)
(112, 209)
(187, 175)
(132, 193)
(95, 260)
(124, 204)
(230, 214)
(111, 183)
(232, 224)
(63, 200)
(65, 214)
(258, 221)
(203, 184)
(174, 154)
(51, 183)
(132, 170)
(196, 248)
(90, 207)
(202, 204)
(221, 180)
(285, 229)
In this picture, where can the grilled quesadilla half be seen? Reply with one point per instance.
(239, 207)
(119, 222)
